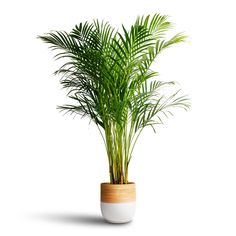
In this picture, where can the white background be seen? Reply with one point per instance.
(51, 165)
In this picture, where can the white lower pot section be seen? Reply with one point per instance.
(118, 212)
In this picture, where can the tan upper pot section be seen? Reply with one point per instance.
(118, 193)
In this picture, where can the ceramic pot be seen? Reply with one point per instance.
(118, 202)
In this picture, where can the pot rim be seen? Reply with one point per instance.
(107, 183)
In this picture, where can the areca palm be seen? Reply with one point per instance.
(108, 75)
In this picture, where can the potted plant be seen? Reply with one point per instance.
(108, 76)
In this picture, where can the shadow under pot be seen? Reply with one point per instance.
(118, 202)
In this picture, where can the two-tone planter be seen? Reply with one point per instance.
(118, 202)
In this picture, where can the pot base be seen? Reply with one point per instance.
(118, 213)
